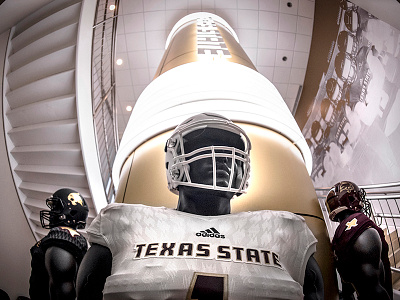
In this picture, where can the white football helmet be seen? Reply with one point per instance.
(178, 158)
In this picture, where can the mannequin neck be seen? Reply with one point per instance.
(345, 214)
(204, 202)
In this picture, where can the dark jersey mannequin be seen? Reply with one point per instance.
(360, 249)
(56, 257)
(361, 254)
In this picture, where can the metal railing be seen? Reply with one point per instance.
(103, 90)
(384, 199)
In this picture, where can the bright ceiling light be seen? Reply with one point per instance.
(129, 108)
(119, 61)
(112, 7)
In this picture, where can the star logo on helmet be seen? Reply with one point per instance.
(351, 224)
(346, 187)
(75, 198)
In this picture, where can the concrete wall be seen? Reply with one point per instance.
(15, 234)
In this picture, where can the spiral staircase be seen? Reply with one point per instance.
(47, 109)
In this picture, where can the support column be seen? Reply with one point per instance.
(204, 69)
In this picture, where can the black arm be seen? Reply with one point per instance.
(347, 291)
(61, 267)
(93, 271)
(313, 288)
(368, 265)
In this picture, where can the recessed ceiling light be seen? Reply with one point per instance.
(119, 61)
(129, 108)
(112, 7)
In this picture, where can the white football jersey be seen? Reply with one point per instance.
(161, 253)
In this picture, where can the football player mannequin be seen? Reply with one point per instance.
(359, 246)
(200, 250)
(56, 257)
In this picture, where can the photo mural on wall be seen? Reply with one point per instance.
(349, 110)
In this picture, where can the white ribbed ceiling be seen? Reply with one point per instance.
(268, 30)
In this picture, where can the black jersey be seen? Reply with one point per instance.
(346, 234)
(62, 237)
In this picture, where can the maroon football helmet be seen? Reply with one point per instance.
(346, 195)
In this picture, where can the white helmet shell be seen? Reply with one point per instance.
(178, 161)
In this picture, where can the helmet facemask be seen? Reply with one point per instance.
(54, 217)
(209, 155)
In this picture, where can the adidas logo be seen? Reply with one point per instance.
(212, 232)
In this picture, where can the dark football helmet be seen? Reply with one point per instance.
(345, 67)
(347, 43)
(328, 112)
(318, 133)
(346, 195)
(231, 143)
(333, 90)
(351, 19)
(67, 208)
